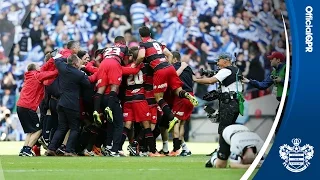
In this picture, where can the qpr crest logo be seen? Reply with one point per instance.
(296, 158)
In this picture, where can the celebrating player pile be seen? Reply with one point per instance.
(94, 106)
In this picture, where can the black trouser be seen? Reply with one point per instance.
(224, 149)
(109, 134)
(186, 130)
(117, 125)
(43, 119)
(87, 138)
(228, 114)
(51, 123)
(67, 119)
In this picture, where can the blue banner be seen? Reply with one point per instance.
(296, 150)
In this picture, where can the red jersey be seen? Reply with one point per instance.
(91, 68)
(148, 85)
(134, 84)
(154, 54)
(32, 91)
(94, 79)
(118, 52)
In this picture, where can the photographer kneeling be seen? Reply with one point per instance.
(229, 104)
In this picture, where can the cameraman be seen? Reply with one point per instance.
(276, 78)
(229, 106)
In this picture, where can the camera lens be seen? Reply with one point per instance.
(202, 72)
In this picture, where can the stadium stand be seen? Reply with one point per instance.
(198, 29)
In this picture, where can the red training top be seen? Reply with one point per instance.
(32, 91)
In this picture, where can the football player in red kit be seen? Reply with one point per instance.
(148, 86)
(110, 74)
(164, 75)
(109, 78)
(136, 108)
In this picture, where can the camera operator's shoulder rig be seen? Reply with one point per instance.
(229, 80)
(235, 72)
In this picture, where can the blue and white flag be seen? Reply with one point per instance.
(35, 55)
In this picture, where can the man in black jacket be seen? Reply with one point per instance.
(71, 80)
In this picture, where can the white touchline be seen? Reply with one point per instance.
(249, 171)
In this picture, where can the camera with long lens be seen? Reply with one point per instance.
(212, 95)
(208, 73)
(212, 114)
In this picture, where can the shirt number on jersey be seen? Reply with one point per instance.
(158, 48)
(112, 51)
(135, 79)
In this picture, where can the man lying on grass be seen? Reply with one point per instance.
(239, 145)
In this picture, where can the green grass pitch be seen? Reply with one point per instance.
(123, 168)
(141, 168)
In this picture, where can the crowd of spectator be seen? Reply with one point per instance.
(198, 29)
